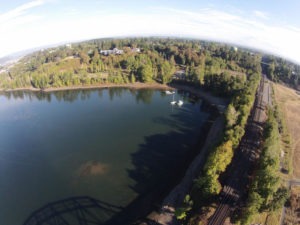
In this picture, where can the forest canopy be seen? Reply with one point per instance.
(218, 67)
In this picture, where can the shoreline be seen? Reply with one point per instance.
(158, 205)
(165, 215)
(136, 85)
(219, 102)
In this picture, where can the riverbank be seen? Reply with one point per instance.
(194, 163)
(220, 103)
(166, 213)
(136, 85)
(158, 205)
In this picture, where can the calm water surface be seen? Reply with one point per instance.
(111, 144)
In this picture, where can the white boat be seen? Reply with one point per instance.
(170, 92)
(173, 102)
(180, 103)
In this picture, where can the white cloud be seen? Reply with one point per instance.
(260, 14)
(13, 26)
(239, 29)
(12, 21)
(206, 23)
(20, 10)
(72, 12)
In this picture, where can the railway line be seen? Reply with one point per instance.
(244, 159)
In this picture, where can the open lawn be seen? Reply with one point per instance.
(289, 102)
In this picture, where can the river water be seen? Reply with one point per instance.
(114, 145)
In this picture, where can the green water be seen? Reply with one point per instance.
(111, 144)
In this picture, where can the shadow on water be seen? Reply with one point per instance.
(81, 210)
(159, 163)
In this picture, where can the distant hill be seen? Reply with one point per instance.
(4, 60)
(17, 55)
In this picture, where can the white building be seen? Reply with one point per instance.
(115, 51)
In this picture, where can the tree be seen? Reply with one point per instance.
(84, 58)
(145, 73)
(253, 206)
(192, 73)
(279, 199)
(231, 116)
(271, 70)
(201, 69)
(172, 61)
(96, 62)
(132, 78)
(166, 72)
(208, 185)
(182, 211)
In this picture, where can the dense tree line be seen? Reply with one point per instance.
(204, 63)
(216, 67)
(207, 185)
(266, 193)
(278, 69)
(224, 84)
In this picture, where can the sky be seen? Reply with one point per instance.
(269, 25)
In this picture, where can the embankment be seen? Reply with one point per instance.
(166, 214)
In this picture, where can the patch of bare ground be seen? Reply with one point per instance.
(202, 218)
(292, 213)
(289, 102)
(235, 73)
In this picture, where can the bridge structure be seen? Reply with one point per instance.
(81, 210)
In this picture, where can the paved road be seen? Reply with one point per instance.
(246, 155)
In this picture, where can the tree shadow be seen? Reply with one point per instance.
(161, 162)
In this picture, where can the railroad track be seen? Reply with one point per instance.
(242, 163)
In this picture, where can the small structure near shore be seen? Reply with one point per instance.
(179, 75)
(115, 51)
